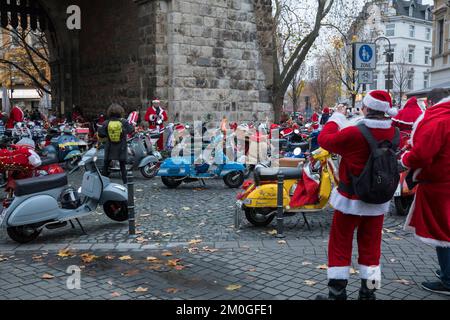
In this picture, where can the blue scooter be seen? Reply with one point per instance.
(177, 170)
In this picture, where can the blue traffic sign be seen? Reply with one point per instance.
(365, 53)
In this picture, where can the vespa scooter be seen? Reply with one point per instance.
(49, 202)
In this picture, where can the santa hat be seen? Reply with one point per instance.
(410, 112)
(155, 101)
(380, 100)
(326, 110)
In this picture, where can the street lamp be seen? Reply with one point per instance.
(390, 58)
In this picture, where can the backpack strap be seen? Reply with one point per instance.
(373, 143)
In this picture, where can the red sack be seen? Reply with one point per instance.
(15, 159)
(307, 191)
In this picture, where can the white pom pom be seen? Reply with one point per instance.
(392, 112)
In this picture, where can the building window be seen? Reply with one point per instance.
(411, 51)
(428, 34)
(440, 37)
(426, 80)
(390, 30)
(427, 55)
(412, 31)
(411, 80)
(388, 81)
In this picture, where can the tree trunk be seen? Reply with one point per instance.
(295, 102)
(278, 108)
(353, 101)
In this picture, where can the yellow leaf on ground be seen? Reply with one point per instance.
(196, 241)
(310, 283)
(47, 276)
(172, 290)
(125, 258)
(65, 253)
(167, 254)
(233, 287)
(322, 267)
(207, 249)
(186, 208)
(141, 290)
(273, 232)
(173, 262)
(282, 242)
(396, 238)
(151, 259)
(88, 258)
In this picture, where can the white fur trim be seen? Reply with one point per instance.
(416, 174)
(338, 273)
(357, 207)
(403, 122)
(377, 124)
(401, 160)
(370, 273)
(339, 119)
(444, 100)
(375, 104)
(392, 112)
(416, 124)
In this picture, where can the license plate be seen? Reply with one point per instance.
(2, 216)
(398, 192)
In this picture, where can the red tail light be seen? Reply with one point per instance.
(247, 184)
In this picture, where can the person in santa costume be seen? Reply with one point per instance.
(406, 119)
(156, 116)
(429, 161)
(16, 115)
(351, 213)
(315, 120)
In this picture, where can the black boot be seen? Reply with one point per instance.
(365, 293)
(337, 290)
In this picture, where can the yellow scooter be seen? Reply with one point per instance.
(259, 199)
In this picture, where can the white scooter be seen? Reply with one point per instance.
(49, 202)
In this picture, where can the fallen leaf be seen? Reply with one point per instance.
(193, 250)
(131, 273)
(152, 259)
(282, 242)
(110, 283)
(139, 190)
(36, 258)
(169, 215)
(110, 257)
(393, 260)
(233, 287)
(186, 208)
(252, 270)
(88, 258)
(306, 263)
(47, 276)
(141, 290)
(115, 294)
(310, 283)
(353, 271)
(167, 234)
(139, 232)
(167, 254)
(125, 258)
(396, 238)
(179, 268)
(210, 250)
(403, 281)
(322, 267)
(173, 262)
(145, 215)
(389, 230)
(65, 253)
(273, 232)
(196, 241)
(172, 290)
(156, 232)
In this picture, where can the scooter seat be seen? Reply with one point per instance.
(49, 160)
(271, 174)
(302, 145)
(39, 184)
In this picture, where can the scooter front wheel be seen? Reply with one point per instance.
(117, 211)
(150, 170)
(23, 234)
(260, 217)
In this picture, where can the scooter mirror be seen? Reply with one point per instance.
(296, 131)
(297, 152)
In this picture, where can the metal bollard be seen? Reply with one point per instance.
(280, 207)
(131, 213)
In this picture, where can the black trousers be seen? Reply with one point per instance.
(123, 169)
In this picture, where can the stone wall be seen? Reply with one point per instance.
(211, 59)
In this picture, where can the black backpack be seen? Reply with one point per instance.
(379, 180)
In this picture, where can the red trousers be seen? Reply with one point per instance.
(369, 236)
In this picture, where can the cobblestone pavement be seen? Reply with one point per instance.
(187, 248)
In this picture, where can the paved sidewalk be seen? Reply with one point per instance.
(194, 252)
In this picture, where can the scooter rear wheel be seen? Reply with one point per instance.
(171, 182)
(260, 217)
(23, 234)
(150, 170)
(117, 211)
(234, 180)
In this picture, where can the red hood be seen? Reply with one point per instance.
(410, 112)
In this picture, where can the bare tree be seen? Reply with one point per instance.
(296, 88)
(25, 53)
(401, 75)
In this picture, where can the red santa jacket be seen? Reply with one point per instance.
(430, 157)
(339, 138)
(156, 119)
(16, 115)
